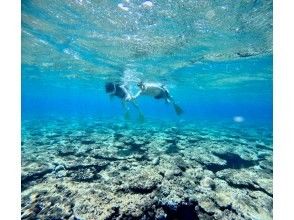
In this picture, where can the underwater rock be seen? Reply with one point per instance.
(195, 174)
(172, 149)
(207, 182)
(155, 161)
(262, 146)
(223, 193)
(140, 207)
(53, 135)
(267, 165)
(118, 144)
(88, 142)
(61, 173)
(203, 155)
(170, 205)
(181, 210)
(233, 161)
(122, 7)
(246, 54)
(117, 136)
(86, 210)
(160, 214)
(55, 211)
(181, 163)
(244, 203)
(147, 4)
(85, 175)
(86, 172)
(45, 205)
(174, 172)
(143, 182)
(34, 177)
(66, 151)
(207, 205)
(59, 167)
(248, 179)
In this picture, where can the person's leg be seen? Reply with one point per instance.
(170, 100)
(177, 108)
(126, 109)
(141, 116)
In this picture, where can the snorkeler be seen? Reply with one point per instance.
(158, 91)
(121, 91)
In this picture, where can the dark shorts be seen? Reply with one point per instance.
(163, 95)
(119, 92)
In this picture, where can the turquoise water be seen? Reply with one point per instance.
(83, 159)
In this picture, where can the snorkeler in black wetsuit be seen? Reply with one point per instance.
(121, 91)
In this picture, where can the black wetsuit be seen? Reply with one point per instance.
(119, 92)
(163, 95)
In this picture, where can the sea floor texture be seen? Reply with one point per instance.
(95, 169)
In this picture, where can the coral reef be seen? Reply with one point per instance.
(100, 170)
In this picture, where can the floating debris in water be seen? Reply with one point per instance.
(238, 119)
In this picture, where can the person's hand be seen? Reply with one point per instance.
(129, 98)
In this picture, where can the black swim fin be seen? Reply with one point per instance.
(141, 118)
(178, 109)
(127, 115)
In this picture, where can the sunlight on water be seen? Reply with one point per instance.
(97, 37)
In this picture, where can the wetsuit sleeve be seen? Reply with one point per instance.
(128, 95)
(138, 93)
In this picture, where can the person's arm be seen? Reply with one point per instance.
(128, 95)
(136, 96)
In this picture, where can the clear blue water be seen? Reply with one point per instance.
(68, 54)
(207, 91)
(215, 57)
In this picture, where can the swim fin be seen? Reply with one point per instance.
(127, 115)
(178, 109)
(141, 118)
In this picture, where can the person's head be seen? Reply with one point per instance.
(141, 85)
(109, 87)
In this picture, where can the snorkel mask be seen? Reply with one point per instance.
(141, 85)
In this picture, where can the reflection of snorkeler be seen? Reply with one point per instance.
(120, 90)
(158, 92)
